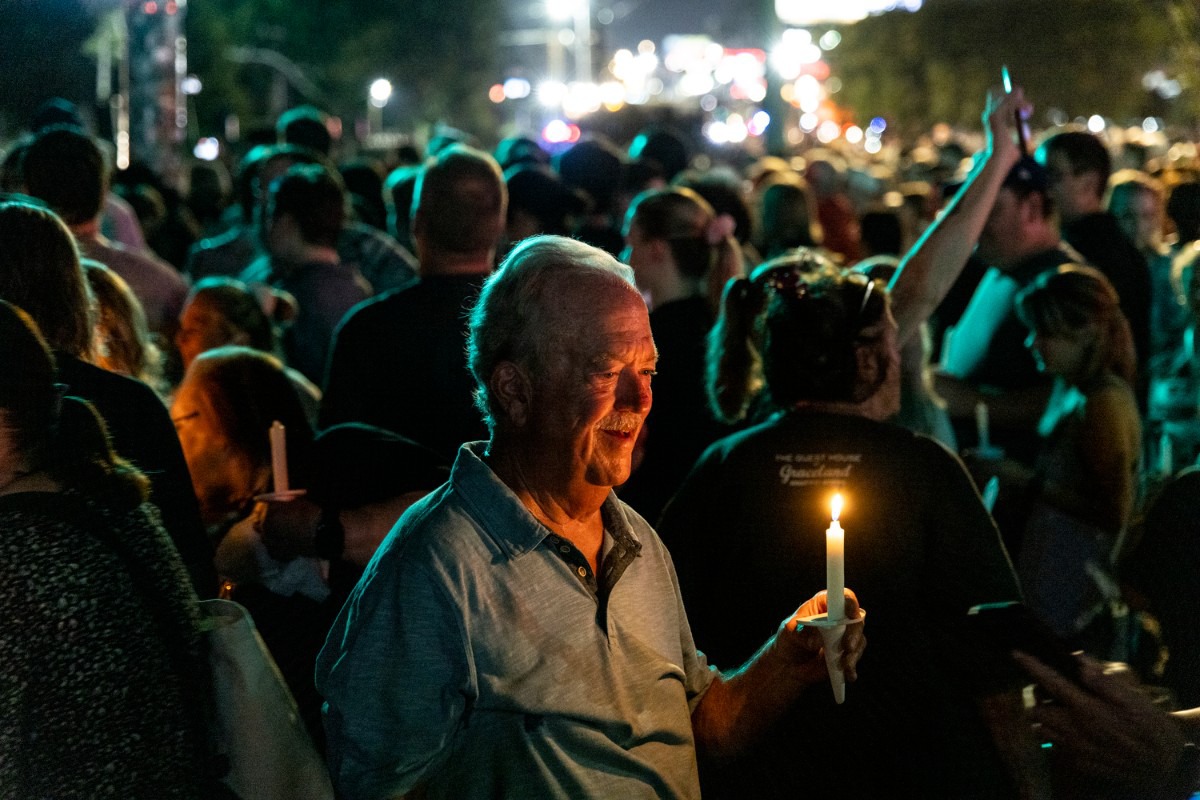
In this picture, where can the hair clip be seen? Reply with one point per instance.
(719, 229)
(866, 296)
(786, 280)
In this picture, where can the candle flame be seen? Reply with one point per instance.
(836, 505)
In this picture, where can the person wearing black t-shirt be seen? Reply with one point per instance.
(747, 527)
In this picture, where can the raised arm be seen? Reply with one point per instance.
(930, 268)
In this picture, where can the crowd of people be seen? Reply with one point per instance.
(566, 426)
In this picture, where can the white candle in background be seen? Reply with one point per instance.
(279, 470)
(835, 563)
(982, 426)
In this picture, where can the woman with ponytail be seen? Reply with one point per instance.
(101, 680)
(819, 346)
(682, 253)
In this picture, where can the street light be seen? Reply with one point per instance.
(579, 14)
(378, 95)
(561, 10)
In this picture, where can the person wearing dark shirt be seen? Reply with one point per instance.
(40, 272)
(305, 216)
(748, 526)
(399, 360)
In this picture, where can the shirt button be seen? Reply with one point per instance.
(582, 572)
(564, 548)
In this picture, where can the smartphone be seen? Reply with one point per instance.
(1022, 125)
(1012, 626)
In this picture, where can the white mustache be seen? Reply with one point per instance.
(624, 423)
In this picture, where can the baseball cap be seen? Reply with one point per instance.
(356, 465)
(1027, 176)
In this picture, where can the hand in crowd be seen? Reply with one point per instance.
(1110, 730)
(288, 527)
(807, 646)
(1000, 124)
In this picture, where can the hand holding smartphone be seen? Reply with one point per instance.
(1022, 125)
(1012, 626)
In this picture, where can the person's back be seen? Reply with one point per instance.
(97, 683)
(153, 281)
(1098, 239)
(680, 251)
(399, 361)
(229, 251)
(594, 167)
(103, 682)
(238, 251)
(141, 427)
(118, 220)
(35, 242)
(748, 526)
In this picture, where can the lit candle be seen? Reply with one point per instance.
(835, 563)
(982, 427)
(279, 469)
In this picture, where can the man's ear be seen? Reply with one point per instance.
(660, 250)
(512, 390)
(1098, 184)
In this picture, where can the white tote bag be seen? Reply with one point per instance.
(258, 728)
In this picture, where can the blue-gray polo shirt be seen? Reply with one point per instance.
(474, 658)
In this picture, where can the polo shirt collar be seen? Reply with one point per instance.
(504, 518)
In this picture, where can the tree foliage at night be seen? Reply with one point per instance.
(41, 56)
(1080, 57)
(439, 53)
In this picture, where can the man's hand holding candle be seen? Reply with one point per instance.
(804, 644)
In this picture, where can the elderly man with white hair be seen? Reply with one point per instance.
(520, 632)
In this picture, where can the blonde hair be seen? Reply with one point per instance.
(125, 344)
(701, 242)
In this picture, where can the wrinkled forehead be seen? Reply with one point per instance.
(573, 293)
(591, 307)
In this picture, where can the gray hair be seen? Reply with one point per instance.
(516, 301)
